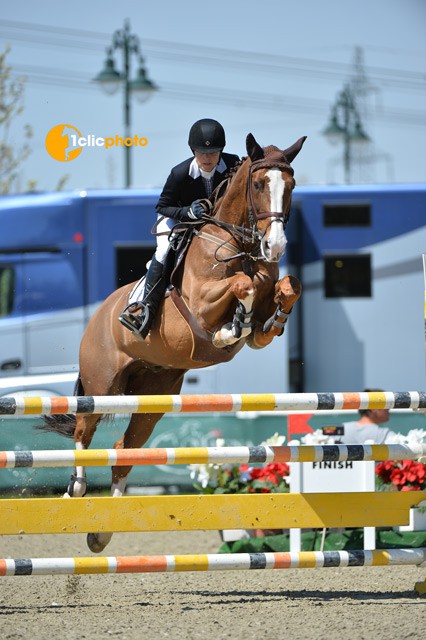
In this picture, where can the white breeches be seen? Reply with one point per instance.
(164, 226)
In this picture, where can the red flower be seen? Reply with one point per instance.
(405, 475)
(384, 470)
(273, 472)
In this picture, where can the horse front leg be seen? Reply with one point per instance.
(287, 291)
(217, 297)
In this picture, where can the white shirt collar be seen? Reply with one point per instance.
(196, 172)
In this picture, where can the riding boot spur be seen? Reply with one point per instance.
(155, 286)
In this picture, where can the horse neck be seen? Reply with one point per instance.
(233, 206)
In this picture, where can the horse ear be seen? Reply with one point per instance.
(292, 151)
(254, 149)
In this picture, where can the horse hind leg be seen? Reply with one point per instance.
(139, 430)
(84, 432)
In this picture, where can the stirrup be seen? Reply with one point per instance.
(139, 325)
(131, 322)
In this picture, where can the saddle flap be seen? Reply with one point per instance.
(203, 349)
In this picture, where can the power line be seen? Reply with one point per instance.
(273, 102)
(236, 59)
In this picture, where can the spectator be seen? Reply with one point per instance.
(367, 427)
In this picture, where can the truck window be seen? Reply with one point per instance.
(131, 262)
(347, 276)
(350, 214)
(7, 283)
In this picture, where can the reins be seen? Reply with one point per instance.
(247, 239)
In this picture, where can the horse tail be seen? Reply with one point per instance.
(62, 424)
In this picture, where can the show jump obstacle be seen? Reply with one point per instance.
(210, 512)
(215, 402)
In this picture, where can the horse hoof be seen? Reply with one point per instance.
(97, 542)
(94, 543)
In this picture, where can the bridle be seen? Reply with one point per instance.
(254, 215)
(247, 239)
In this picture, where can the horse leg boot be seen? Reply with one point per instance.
(85, 428)
(287, 291)
(241, 323)
(155, 286)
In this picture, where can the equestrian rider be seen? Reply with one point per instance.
(188, 184)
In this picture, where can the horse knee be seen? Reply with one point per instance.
(243, 290)
(288, 289)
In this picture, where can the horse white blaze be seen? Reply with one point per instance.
(274, 242)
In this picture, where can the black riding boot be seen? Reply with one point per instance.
(155, 285)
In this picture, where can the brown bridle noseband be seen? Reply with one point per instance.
(273, 160)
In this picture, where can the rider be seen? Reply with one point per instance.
(181, 200)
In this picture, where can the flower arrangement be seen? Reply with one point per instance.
(403, 475)
(242, 478)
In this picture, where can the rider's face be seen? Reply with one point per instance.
(207, 161)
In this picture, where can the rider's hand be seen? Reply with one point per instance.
(196, 210)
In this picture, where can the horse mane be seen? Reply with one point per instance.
(223, 186)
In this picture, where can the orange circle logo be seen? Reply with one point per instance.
(61, 142)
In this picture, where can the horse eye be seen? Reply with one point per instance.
(256, 185)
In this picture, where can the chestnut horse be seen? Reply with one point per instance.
(227, 294)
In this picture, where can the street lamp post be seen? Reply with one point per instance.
(345, 125)
(110, 80)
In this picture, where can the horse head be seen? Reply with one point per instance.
(270, 184)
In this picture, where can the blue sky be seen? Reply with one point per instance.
(272, 68)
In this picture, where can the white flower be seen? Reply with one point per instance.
(396, 438)
(204, 474)
(414, 436)
(275, 441)
(317, 437)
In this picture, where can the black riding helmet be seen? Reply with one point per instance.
(206, 135)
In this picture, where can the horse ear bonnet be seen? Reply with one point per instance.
(254, 149)
(271, 154)
(292, 151)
